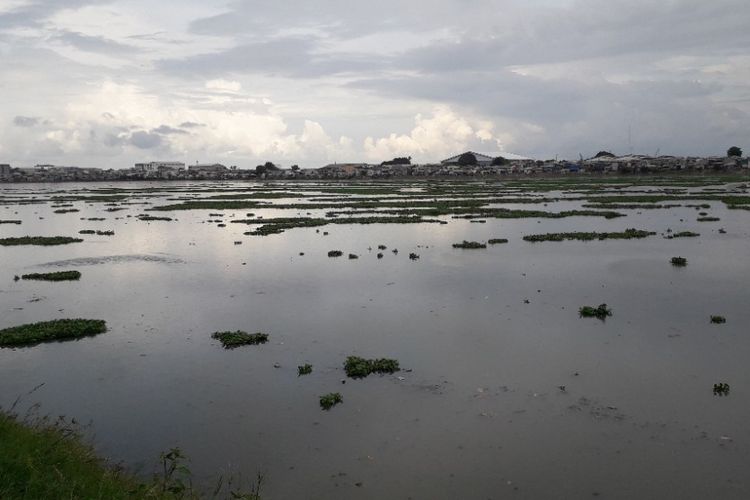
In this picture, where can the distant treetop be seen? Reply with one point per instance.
(467, 159)
(734, 151)
(601, 154)
(401, 160)
(499, 161)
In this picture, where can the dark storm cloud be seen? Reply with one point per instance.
(33, 13)
(145, 140)
(25, 121)
(95, 44)
(290, 56)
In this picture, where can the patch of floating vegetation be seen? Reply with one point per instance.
(718, 320)
(721, 389)
(46, 331)
(497, 241)
(330, 400)
(66, 210)
(470, 245)
(335, 253)
(305, 369)
(683, 234)
(281, 224)
(209, 205)
(99, 233)
(55, 276)
(116, 209)
(6, 221)
(708, 219)
(583, 236)
(630, 206)
(149, 218)
(357, 367)
(506, 213)
(353, 256)
(230, 340)
(600, 312)
(413, 256)
(678, 261)
(39, 240)
(95, 218)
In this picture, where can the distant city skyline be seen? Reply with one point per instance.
(107, 84)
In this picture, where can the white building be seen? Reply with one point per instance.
(159, 166)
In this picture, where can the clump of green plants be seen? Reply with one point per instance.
(721, 389)
(149, 218)
(39, 240)
(678, 261)
(45, 331)
(86, 231)
(382, 247)
(330, 400)
(413, 256)
(497, 241)
(708, 219)
(353, 256)
(56, 276)
(6, 221)
(335, 253)
(470, 245)
(230, 340)
(357, 367)
(305, 369)
(600, 312)
(684, 234)
(66, 210)
(582, 236)
(98, 233)
(718, 320)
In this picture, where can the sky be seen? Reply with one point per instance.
(100, 83)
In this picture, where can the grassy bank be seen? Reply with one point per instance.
(45, 459)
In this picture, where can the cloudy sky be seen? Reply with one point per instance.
(107, 83)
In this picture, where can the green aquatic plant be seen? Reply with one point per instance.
(45, 331)
(718, 320)
(145, 217)
(7, 221)
(335, 253)
(230, 340)
(66, 210)
(721, 389)
(678, 261)
(55, 276)
(496, 241)
(600, 312)
(305, 369)
(583, 236)
(330, 400)
(39, 240)
(683, 234)
(470, 245)
(413, 256)
(357, 367)
(353, 256)
(708, 219)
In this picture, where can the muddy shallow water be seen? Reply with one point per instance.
(485, 339)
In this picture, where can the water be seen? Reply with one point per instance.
(480, 413)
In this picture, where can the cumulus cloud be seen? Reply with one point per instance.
(25, 121)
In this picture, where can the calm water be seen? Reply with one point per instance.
(479, 414)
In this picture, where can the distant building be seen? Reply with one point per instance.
(207, 168)
(4, 171)
(484, 159)
(159, 166)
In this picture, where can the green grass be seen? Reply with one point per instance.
(470, 245)
(48, 459)
(601, 312)
(497, 241)
(718, 320)
(230, 340)
(46, 331)
(39, 240)
(305, 369)
(330, 400)
(582, 236)
(356, 367)
(55, 276)
(678, 261)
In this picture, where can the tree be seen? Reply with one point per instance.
(467, 159)
(499, 161)
(270, 166)
(295, 168)
(604, 153)
(400, 160)
(734, 151)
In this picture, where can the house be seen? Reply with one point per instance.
(159, 166)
